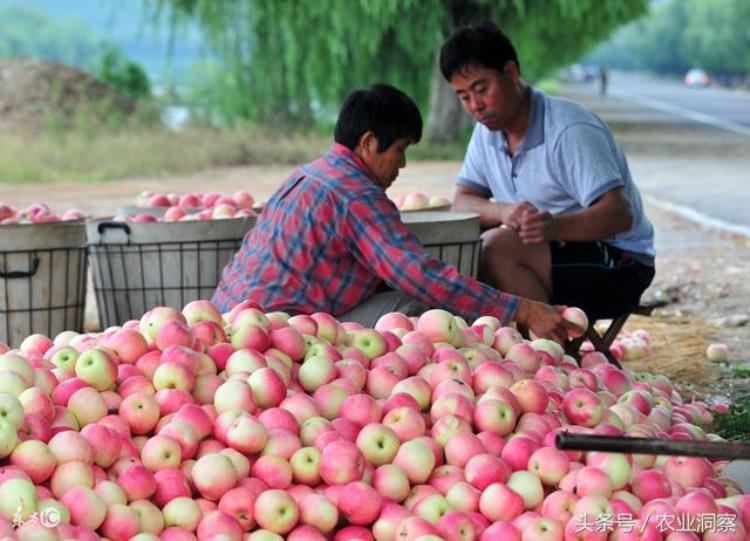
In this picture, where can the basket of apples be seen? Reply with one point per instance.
(161, 204)
(417, 201)
(42, 271)
(143, 260)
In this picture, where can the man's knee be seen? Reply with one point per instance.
(502, 245)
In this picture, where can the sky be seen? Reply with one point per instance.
(123, 23)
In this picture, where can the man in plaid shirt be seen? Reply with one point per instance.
(330, 239)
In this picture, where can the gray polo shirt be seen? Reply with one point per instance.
(567, 160)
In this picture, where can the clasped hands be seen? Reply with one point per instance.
(532, 225)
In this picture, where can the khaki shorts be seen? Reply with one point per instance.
(368, 312)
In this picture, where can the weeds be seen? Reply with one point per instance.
(735, 424)
(77, 151)
(82, 155)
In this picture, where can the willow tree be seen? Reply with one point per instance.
(288, 60)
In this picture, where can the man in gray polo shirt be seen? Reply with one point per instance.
(565, 222)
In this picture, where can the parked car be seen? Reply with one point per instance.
(577, 73)
(697, 78)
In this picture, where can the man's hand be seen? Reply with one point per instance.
(512, 215)
(543, 320)
(537, 226)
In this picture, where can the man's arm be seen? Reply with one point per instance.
(607, 216)
(543, 320)
(381, 242)
(491, 213)
(376, 236)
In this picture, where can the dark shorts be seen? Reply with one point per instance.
(602, 280)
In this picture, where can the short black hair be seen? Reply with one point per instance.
(480, 44)
(383, 109)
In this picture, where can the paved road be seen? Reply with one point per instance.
(699, 137)
(728, 109)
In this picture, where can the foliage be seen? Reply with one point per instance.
(29, 32)
(294, 61)
(126, 76)
(716, 35)
(683, 34)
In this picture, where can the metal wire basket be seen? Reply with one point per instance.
(42, 279)
(137, 266)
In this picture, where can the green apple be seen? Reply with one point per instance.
(65, 358)
(11, 409)
(370, 342)
(8, 438)
(312, 427)
(316, 371)
(432, 508)
(305, 463)
(149, 516)
(19, 365)
(18, 499)
(378, 443)
(276, 510)
(528, 486)
(182, 513)
(97, 368)
(88, 405)
(12, 383)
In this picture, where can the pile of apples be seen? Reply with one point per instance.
(178, 214)
(194, 200)
(419, 201)
(36, 213)
(627, 345)
(254, 426)
(192, 206)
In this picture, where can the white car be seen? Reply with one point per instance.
(697, 78)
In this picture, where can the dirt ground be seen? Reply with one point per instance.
(702, 273)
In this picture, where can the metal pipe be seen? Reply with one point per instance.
(727, 450)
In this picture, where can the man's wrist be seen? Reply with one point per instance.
(522, 311)
(555, 227)
(501, 213)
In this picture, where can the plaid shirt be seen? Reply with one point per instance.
(329, 238)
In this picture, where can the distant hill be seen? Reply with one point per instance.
(36, 94)
(122, 23)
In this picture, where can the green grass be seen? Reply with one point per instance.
(92, 156)
(432, 151)
(735, 424)
(549, 86)
(79, 155)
